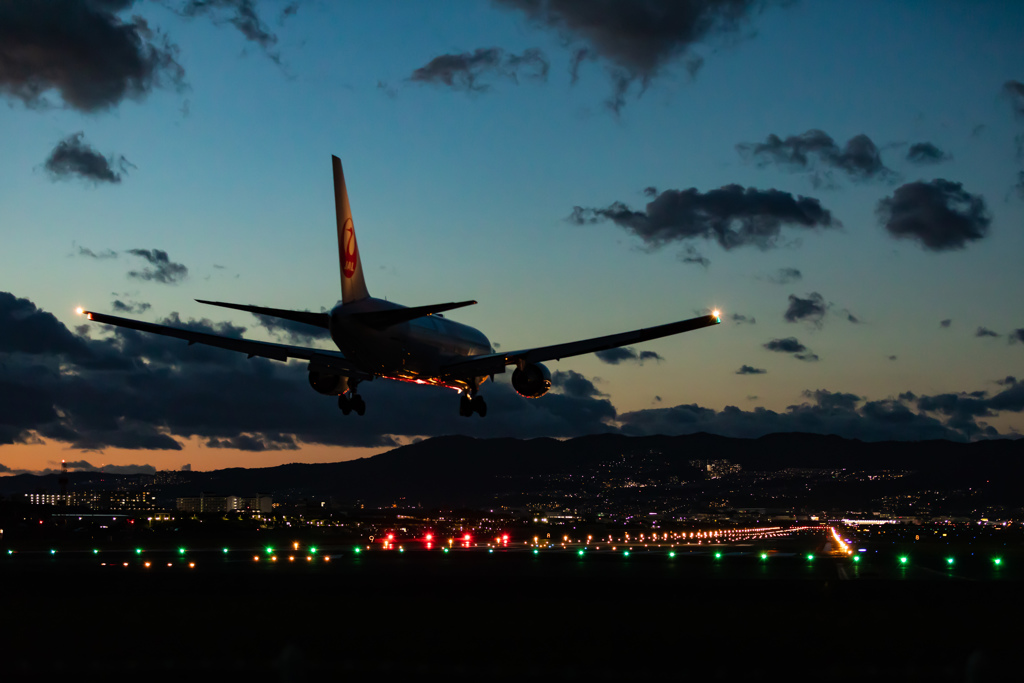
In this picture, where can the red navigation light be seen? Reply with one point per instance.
(466, 538)
(391, 537)
(429, 538)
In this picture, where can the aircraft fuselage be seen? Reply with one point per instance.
(413, 351)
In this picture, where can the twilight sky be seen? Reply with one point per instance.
(845, 180)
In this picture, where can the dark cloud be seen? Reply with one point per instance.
(732, 215)
(740, 319)
(1019, 185)
(164, 270)
(850, 317)
(785, 276)
(650, 191)
(940, 214)
(1017, 335)
(824, 413)
(1007, 381)
(626, 354)
(293, 332)
(72, 157)
(791, 345)
(105, 254)
(985, 332)
(691, 255)
(82, 50)
(812, 309)
(750, 370)
(946, 323)
(815, 150)
(1014, 91)
(572, 383)
(86, 466)
(892, 357)
(638, 38)
(465, 71)
(131, 307)
(162, 390)
(255, 442)
(926, 153)
(241, 14)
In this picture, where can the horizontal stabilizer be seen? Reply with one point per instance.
(315, 319)
(380, 320)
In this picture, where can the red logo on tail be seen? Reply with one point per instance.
(351, 252)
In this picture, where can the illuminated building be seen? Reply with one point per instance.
(205, 502)
(96, 500)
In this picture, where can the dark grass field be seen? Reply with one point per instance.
(511, 615)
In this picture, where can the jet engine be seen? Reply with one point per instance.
(326, 383)
(532, 381)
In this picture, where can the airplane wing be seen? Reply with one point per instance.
(333, 361)
(478, 366)
(380, 320)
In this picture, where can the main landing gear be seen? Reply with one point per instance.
(472, 404)
(349, 403)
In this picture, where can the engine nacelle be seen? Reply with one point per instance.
(326, 383)
(533, 381)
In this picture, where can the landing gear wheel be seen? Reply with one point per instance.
(358, 405)
(478, 406)
(344, 404)
(466, 406)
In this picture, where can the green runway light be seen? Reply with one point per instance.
(358, 550)
(270, 551)
(764, 556)
(810, 557)
(535, 551)
(580, 552)
(856, 558)
(625, 553)
(446, 551)
(312, 550)
(53, 552)
(138, 551)
(718, 556)
(181, 551)
(11, 552)
(94, 551)
(490, 550)
(904, 559)
(997, 561)
(672, 553)
(950, 561)
(225, 551)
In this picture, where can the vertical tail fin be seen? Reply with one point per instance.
(353, 286)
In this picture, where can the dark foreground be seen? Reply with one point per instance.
(505, 616)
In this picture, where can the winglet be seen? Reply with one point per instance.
(353, 286)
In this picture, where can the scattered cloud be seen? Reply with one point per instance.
(812, 309)
(467, 70)
(572, 383)
(83, 51)
(732, 215)
(784, 276)
(940, 215)
(690, 255)
(750, 370)
(740, 319)
(985, 332)
(926, 153)
(1017, 335)
(638, 40)
(793, 346)
(255, 442)
(241, 14)
(130, 307)
(946, 323)
(1014, 92)
(815, 150)
(163, 270)
(1007, 381)
(622, 354)
(103, 255)
(650, 191)
(74, 158)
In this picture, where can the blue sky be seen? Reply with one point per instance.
(467, 193)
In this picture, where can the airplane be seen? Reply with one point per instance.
(377, 338)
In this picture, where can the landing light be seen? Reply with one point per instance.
(716, 313)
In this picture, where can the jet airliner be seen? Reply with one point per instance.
(381, 339)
